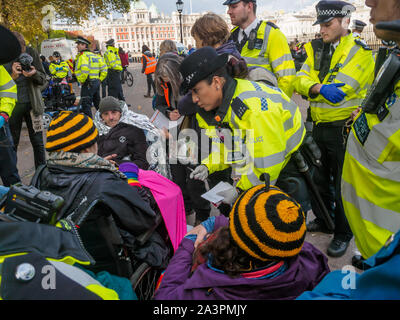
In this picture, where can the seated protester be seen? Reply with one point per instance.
(75, 172)
(255, 128)
(259, 253)
(122, 141)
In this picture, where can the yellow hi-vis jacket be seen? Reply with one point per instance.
(103, 67)
(112, 59)
(8, 92)
(271, 52)
(352, 63)
(371, 177)
(88, 65)
(255, 130)
(59, 70)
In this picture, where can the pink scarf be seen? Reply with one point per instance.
(170, 201)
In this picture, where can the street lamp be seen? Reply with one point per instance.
(179, 7)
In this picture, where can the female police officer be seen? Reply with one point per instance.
(254, 128)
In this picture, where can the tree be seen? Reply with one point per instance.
(26, 16)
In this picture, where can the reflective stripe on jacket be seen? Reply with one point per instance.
(87, 66)
(266, 127)
(8, 92)
(274, 55)
(103, 67)
(151, 63)
(112, 59)
(371, 177)
(59, 70)
(355, 67)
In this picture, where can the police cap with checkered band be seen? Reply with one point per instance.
(327, 10)
(199, 65)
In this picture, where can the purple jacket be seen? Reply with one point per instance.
(304, 273)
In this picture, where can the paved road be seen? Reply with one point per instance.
(140, 104)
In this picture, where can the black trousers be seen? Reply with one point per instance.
(330, 139)
(150, 84)
(191, 190)
(22, 113)
(90, 90)
(8, 158)
(114, 85)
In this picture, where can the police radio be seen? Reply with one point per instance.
(383, 85)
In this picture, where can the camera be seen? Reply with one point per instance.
(27, 203)
(26, 61)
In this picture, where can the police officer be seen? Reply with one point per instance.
(114, 65)
(88, 73)
(357, 28)
(103, 68)
(254, 128)
(9, 50)
(371, 170)
(59, 68)
(261, 43)
(334, 78)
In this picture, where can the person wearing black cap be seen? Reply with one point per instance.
(254, 128)
(114, 65)
(89, 72)
(335, 78)
(357, 28)
(10, 49)
(261, 43)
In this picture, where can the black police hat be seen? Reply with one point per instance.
(327, 10)
(358, 24)
(82, 40)
(199, 65)
(228, 2)
(10, 47)
(110, 42)
(56, 54)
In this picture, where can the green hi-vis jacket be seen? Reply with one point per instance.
(8, 92)
(37, 263)
(371, 176)
(59, 70)
(272, 52)
(255, 130)
(112, 59)
(90, 66)
(352, 63)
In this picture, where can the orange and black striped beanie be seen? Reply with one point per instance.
(267, 225)
(71, 132)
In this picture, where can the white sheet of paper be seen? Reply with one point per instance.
(161, 121)
(212, 196)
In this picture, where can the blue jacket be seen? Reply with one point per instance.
(380, 282)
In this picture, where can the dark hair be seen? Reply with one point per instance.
(221, 72)
(226, 255)
(145, 48)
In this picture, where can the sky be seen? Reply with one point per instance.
(167, 6)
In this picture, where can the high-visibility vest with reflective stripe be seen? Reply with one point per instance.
(70, 63)
(371, 178)
(274, 55)
(8, 92)
(59, 70)
(103, 67)
(80, 277)
(151, 64)
(268, 132)
(87, 66)
(112, 59)
(166, 93)
(355, 69)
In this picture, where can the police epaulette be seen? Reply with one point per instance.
(273, 25)
(362, 43)
(239, 107)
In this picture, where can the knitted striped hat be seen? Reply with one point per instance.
(71, 132)
(267, 225)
